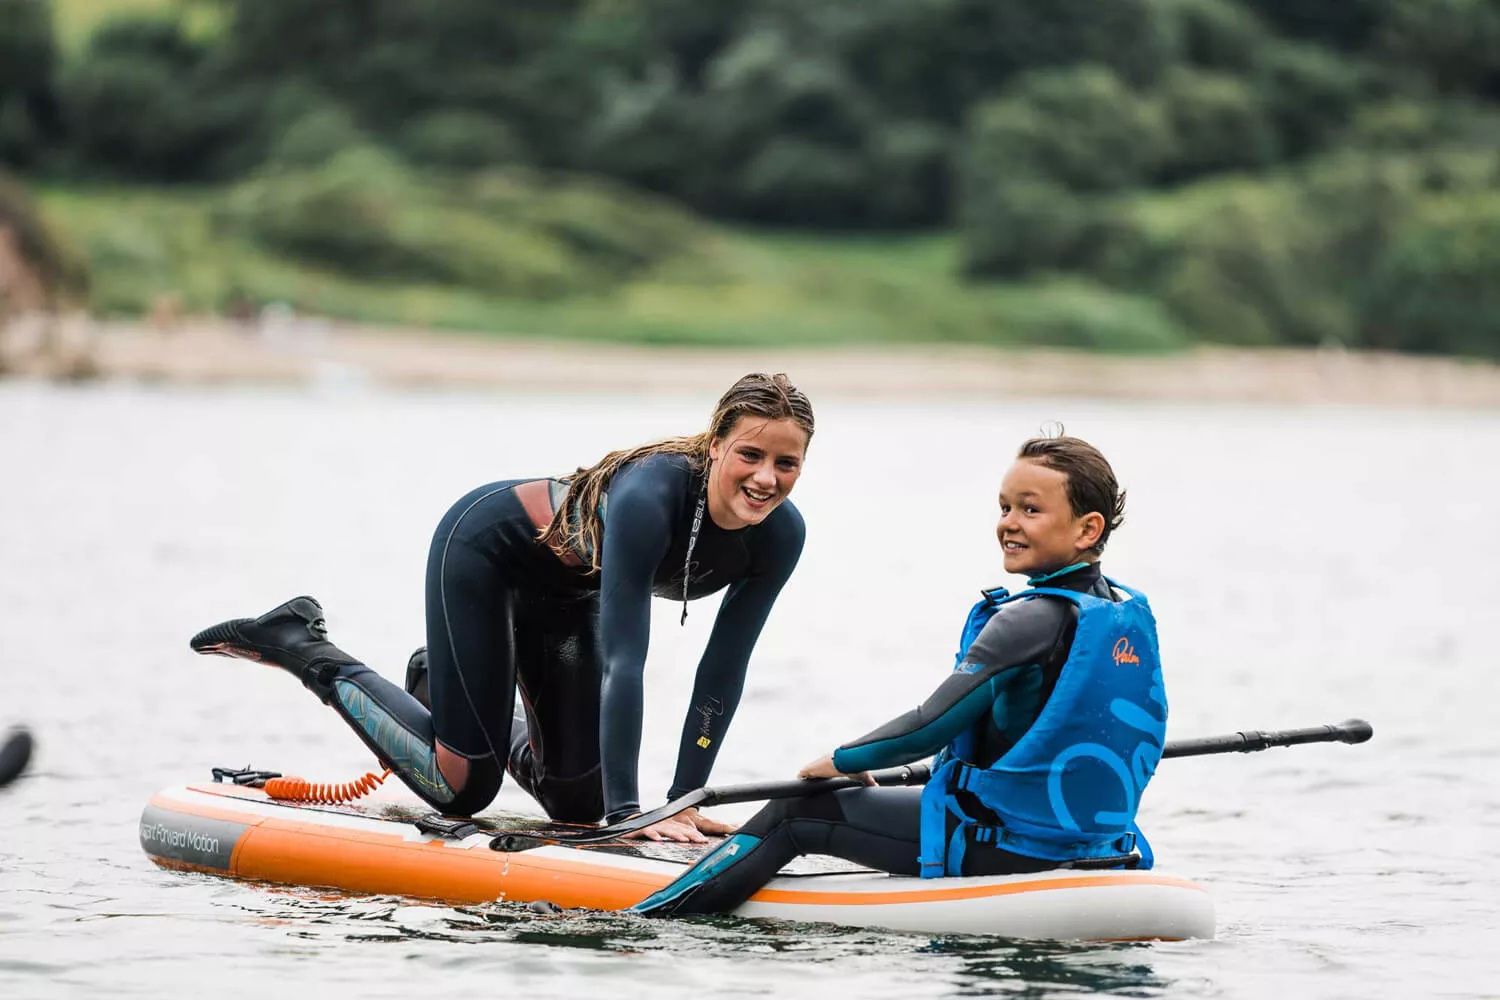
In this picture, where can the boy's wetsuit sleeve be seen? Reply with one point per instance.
(721, 672)
(1022, 634)
(642, 507)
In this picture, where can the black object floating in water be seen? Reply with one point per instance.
(14, 755)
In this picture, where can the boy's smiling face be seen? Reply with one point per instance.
(1038, 531)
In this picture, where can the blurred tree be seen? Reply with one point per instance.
(687, 34)
(1415, 125)
(1310, 94)
(937, 58)
(138, 103)
(318, 135)
(1212, 34)
(1344, 24)
(774, 128)
(1082, 128)
(461, 140)
(28, 55)
(1217, 124)
(1454, 43)
(1251, 273)
(1437, 288)
(1020, 227)
(389, 60)
(907, 177)
(792, 180)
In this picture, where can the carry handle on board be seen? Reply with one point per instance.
(1349, 731)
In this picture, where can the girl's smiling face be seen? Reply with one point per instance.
(754, 467)
(1038, 531)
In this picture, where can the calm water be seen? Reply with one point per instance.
(1306, 565)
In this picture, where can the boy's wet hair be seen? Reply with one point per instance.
(1092, 487)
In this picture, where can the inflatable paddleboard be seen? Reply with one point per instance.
(390, 843)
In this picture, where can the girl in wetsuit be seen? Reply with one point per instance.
(1053, 721)
(545, 585)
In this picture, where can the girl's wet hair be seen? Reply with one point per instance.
(1092, 487)
(576, 524)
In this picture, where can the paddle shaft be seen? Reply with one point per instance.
(1349, 731)
(909, 774)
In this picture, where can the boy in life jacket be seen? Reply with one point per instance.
(1046, 732)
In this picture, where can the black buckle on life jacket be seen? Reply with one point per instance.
(449, 829)
(249, 777)
(994, 595)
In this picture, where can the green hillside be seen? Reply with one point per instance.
(711, 285)
(1248, 171)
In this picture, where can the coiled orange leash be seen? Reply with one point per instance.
(302, 790)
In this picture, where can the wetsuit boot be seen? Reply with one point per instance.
(396, 728)
(292, 636)
(708, 886)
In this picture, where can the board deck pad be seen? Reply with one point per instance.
(383, 807)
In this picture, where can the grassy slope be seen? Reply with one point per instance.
(766, 287)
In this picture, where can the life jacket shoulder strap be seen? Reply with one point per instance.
(978, 616)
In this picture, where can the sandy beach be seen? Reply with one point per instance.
(297, 350)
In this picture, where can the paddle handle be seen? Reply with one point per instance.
(1348, 731)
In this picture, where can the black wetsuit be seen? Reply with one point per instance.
(1004, 680)
(505, 612)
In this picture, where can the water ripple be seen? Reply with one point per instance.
(1337, 871)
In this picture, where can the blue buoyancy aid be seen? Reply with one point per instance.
(1069, 788)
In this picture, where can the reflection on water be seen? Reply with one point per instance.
(1305, 565)
(1042, 969)
(976, 965)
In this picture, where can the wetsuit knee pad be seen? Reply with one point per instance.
(572, 800)
(480, 787)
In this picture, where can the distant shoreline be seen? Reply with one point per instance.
(292, 351)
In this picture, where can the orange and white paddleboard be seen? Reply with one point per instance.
(375, 846)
